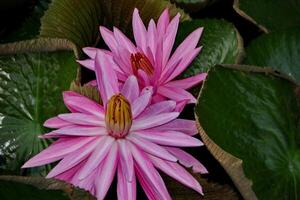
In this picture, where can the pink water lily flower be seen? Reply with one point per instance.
(150, 60)
(126, 136)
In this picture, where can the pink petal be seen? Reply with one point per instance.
(79, 131)
(169, 138)
(126, 160)
(184, 64)
(106, 77)
(124, 41)
(187, 160)
(73, 159)
(79, 103)
(88, 63)
(149, 178)
(139, 30)
(176, 94)
(141, 103)
(151, 148)
(87, 183)
(68, 175)
(90, 51)
(177, 172)
(188, 82)
(91, 83)
(163, 22)
(143, 78)
(160, 119)
(158, 108)
(122, 58)
(109, 39)
(180, 105)
(126, 190)
(82, 119)
(184, 49)
(180, 125)
(107, 173)
(97, 156)
(169, 38)
(56, 122)
(158, 98)
(165, 74)
(57, 151)
(152, 36)
(158, 60)
(131, 89)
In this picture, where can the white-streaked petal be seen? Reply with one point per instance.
(151, 148)
(97, 156)
(145, 122)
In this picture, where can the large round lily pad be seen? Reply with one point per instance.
(31, 86)
(254, 116)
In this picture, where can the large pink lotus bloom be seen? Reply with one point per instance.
(150, 60)
(126, 136)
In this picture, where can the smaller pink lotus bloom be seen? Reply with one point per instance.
(150, 60)
(126, 136)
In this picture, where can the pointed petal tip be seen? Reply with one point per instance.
(165, 11)
(136, 10)
(103, 30)
(178, 15)
(25, 166)
(68, 93)
(201, 170)
(132, 77)
(87, 50)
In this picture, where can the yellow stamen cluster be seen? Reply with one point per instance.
(118, 116)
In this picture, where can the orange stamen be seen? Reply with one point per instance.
(140, 61)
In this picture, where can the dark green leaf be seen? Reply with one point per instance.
(255, 117)
(270, 15)
(221, 43)
(30, 28)
(194, 5)
(79, 21)
(37, 188)
(279, 50)
(30, 92)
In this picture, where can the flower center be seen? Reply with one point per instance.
(140, 61)
(118, 116)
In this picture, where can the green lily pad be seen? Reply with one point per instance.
(270, 15)
(254, 116)
(279, 50)
(79, 21)
(221, 43)
(31, 86)
(38, 188)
